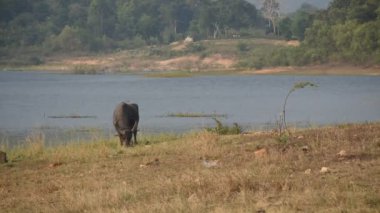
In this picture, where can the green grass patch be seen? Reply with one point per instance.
(72, 116)
(178, 74)
(195, 115)
(86, 69)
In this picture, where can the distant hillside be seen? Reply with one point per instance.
(99, 25)
(287, 6)
(347, 31)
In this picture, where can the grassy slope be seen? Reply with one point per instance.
(100, 176)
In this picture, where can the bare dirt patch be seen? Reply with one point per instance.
(90, 61)
(196, 63)
(179, 60)
(294, 43)
(219, 60)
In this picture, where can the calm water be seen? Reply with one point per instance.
(27, 100)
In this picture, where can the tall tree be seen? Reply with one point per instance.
(301, 21)
(101, 17)
(271, 11)
(284, 27)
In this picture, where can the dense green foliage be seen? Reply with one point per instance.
(295, 25)
(68, 25)
(347, 31)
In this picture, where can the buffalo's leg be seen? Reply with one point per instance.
(129, 139)
(121, 140)
(135, 136)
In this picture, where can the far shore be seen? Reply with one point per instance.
(327, 69)
(220, 57)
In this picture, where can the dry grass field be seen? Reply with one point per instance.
(199, 172)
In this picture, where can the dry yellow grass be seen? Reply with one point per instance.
(169, 174)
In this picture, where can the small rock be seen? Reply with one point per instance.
(3, 157)
(300, 137)
(307, 171)
(156, 162)
(342, 154)
(193, 198)
(325, 170)
(188, 39)
(56, 164)
(261, 153)
(210, 163)
(305, 148)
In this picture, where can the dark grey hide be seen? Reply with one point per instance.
(126, 120)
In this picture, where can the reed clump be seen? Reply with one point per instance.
(223, 129)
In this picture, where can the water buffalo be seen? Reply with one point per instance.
(126, 120)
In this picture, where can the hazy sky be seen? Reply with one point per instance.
(287, 6)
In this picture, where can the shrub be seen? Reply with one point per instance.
(134, 43)
(195, 47)
(242, 47)
(86, 69)
(35, 60)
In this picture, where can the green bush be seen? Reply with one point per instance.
(195, 47)
(253, 62)
(35, 60)
(134, 43)
(242, 47)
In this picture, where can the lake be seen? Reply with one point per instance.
(31, 101)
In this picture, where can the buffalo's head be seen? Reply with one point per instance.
(126, 136)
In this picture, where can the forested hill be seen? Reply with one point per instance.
(98, 24)
(347, 31)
